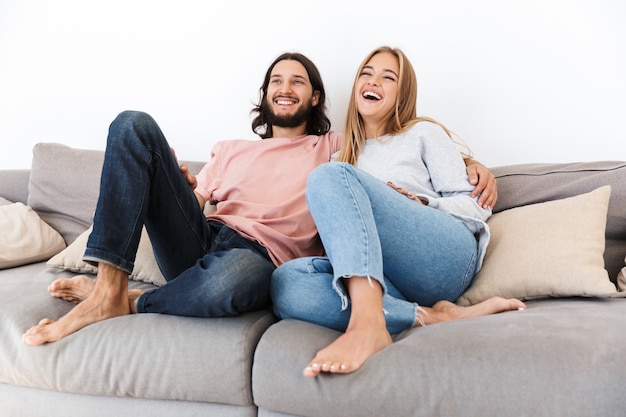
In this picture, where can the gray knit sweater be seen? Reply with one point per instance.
(425, 161)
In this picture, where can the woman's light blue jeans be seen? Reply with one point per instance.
(211, 270)
(419, 254)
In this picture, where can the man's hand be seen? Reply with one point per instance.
(184, 169)
(485, 183)
(191, 179)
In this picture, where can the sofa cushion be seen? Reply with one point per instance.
(148, 356)
(25, 238)
(560, 357)
(520, 185)
(146, 268)
(64, 186)
(546, 249)
(14, 184)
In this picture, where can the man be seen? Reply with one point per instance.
(219, 265)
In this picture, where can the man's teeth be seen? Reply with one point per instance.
(284, 102)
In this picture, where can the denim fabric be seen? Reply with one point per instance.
(419, 254)
(211, 270)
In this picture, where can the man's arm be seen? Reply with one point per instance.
(484, 181)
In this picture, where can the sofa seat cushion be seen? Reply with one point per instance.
(148, 356)
(560, 357)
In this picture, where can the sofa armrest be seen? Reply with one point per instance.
(14, 184)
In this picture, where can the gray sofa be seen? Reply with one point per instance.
(560, 357)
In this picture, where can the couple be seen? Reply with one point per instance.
(400, 193)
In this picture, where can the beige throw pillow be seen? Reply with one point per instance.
(146, 268)
(24, 237)
(551, 249)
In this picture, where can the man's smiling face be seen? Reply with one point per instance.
(290, 95)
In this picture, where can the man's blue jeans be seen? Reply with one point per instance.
(419, 254)
(211, 270)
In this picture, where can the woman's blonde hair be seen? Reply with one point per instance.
(400, 118)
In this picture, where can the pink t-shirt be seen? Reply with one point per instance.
(259, 186)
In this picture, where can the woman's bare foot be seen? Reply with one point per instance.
(366, 337)
(74, 289)
(108, 299)
(366, 333)
(349, 351)
(446, 311)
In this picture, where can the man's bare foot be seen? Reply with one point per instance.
(349, 351)
(446, 311)
(74, 289)
(108, 299)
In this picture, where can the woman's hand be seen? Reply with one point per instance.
(422, 200)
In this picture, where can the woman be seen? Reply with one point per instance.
(403, 236)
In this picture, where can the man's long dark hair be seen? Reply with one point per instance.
(317, 123)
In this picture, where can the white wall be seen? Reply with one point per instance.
(520, 80)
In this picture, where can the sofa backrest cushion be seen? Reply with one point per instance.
(520, 185)
(64, 186)
(14, 184)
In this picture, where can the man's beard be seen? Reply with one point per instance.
(292, 120)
